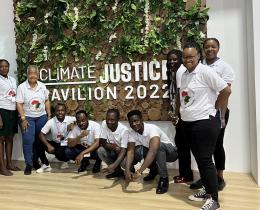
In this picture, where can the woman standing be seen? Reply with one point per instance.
(199, 100)
(8, 118)
(33, 106)
(174, 62)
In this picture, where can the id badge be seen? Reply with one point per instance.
(13, 99)
(86, 155)
(64, 143)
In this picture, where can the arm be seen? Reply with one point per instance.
(223, 112)
(43, 139)
(90, 149)
(22, 114)
(222, 99)
(129, 160)
(153, 148)
(117, 162)
(48, 108)
(72, 142)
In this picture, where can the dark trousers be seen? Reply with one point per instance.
(202, 136)
(219, 153)
(72, 152)
(59, 151)
(166, 153)
(184, 155)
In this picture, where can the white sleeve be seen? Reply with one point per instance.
(154, 132)
(124, 139)
(47, 127)
(214, 81)
(179, 73)
(131, 136)
(228, 73)
(97, 131)
(19, 95)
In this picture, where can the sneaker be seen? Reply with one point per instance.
(28, 170)
(44, 168)
(221, 184)
(196, 185)
(162, 186)
(64, 165)
(210, 204)
(200, 196)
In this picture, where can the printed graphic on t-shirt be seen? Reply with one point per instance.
(187, 97)
(36, 105)
(11, 92)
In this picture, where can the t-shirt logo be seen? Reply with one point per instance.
(11, 93)
(36, 105)
(187, 97)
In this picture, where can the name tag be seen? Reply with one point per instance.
(64, 143)
(86, 155)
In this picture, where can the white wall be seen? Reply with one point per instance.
(227, 23)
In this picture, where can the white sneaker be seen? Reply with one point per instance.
(44, 168)
(199, 196)
(64, 165)
(210, 204)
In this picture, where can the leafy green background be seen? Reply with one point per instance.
(170, 26)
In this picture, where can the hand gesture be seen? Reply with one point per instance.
(70, 127)
(24, 126)
(79, 158)
(109, 169)
(84, 133)
(128, 176)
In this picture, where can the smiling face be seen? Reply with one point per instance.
(190, 58)
(112, 121)
(211, 49)
(4, 68)
(82, 121)
(173, 62)
(60, 112)
(136, 123)
(32, 75)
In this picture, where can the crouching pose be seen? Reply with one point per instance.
(151, 143)
(83, 142)
(58, 128)
(113, 143)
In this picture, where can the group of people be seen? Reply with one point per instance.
(199, 91)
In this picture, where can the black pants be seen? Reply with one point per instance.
(184, 155)
(59, 151)
(202, 136)
(219, 153)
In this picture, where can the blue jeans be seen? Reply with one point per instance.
(72, 152)
(35, 125)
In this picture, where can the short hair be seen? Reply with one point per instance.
(32, 67)
(61, 104)
(3, 60)
(134, 112)
(116, 111)
(192, 45)
(209, 39)
(82, 112)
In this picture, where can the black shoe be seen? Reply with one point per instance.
(196, 185)
(28, 170)
(96, 167)
(162, 186)
(221, 184)
(36, 165)
(150, 176)
(118, 173)
(83, 165)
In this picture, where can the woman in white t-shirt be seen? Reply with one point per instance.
(202, 92)
(8, 118)
(34, 108)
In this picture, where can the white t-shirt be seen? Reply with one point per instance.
(94, 133)
(223, 69)
(57, 129)
(8, 92)
(150, 131)
(118, 137)
(198, 93)
(33, 100)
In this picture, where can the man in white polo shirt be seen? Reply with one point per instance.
(113, 141)
(83, 141)
(149, 142)
(54, 136)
